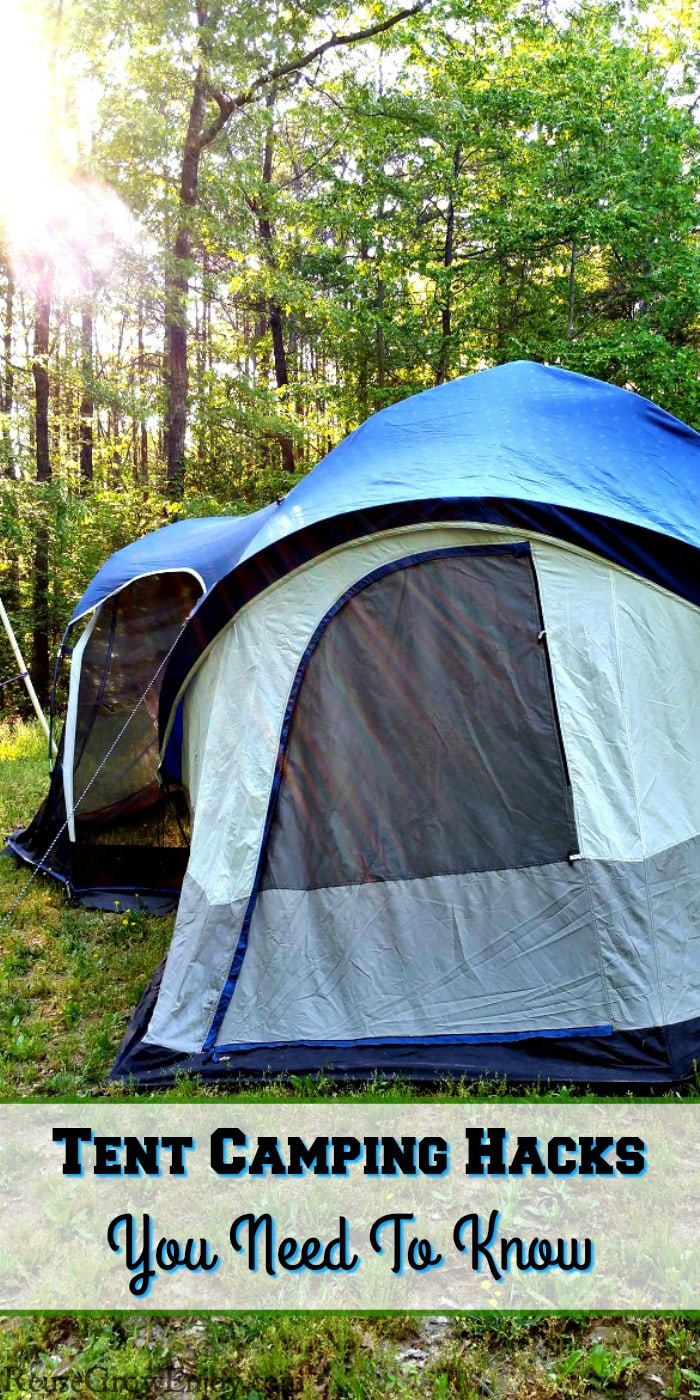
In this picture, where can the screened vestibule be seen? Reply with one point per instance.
(109, 829)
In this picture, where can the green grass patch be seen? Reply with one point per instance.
(69, 977)
(24, 771)
(265, 1357)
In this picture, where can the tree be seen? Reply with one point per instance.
(537, 197)
(208, 91)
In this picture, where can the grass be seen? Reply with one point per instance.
(69, 980)
(259, 1357)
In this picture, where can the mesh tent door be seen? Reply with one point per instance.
(415, 879)
(125, 837)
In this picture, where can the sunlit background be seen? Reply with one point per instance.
(52, 216)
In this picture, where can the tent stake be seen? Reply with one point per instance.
(24, 672)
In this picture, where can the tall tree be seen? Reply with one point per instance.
(7, 462)
(209, 92)
(87, 394)
(40, 372)
(263, 214)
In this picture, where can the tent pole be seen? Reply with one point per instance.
(24, 672)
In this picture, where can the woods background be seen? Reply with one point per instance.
(230, 232)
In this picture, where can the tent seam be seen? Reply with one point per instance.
(148, 573)
(475, 1038)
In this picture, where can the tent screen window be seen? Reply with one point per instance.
(424, 738)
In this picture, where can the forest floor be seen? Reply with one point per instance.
(69, 980)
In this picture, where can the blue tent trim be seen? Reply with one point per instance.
(14, 845)
(507, 1038)
(208, 547)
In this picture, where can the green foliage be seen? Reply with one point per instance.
(600, 1365)
(565, 177)
(83, 530)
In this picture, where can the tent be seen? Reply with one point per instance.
(108, 829)
(437, 727)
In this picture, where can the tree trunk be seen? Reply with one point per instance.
(286, 445)
(447, 260)
(11, 576)
(379, 335)
(502, 316)
(274, 317)
(143, 452)
(571, 299)
(8, 382)
(176, 297)
(87, 402)
(40, 371)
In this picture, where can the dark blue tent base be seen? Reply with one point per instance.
(654, 1058)
(106, 894)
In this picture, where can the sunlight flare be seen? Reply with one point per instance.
(52, 220)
